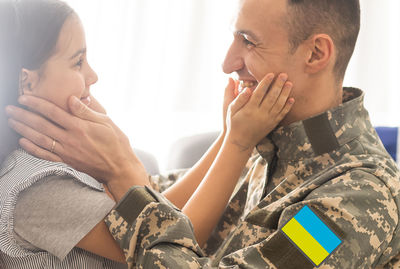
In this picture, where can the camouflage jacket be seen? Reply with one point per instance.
(333, 162)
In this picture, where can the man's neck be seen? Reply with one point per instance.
(313, 101)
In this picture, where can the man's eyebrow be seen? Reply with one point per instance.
(248, 33)
(81, 51)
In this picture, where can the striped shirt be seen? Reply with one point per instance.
(19, 173)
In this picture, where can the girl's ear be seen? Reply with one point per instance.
(27, 81)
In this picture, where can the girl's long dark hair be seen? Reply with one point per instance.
(29, 31)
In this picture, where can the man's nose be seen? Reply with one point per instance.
(233, 60)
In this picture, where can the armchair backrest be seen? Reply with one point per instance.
(391, 140)
(186, 151)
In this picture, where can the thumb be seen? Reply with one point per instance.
(240, 100)
(82, 111)
(230, 91)
(96, 106)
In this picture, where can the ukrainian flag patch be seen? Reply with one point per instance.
(311, 235)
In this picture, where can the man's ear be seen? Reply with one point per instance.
(28, 81)
(321, 51)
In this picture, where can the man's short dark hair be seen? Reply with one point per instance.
(340, 19)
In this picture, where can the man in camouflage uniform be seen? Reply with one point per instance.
(325, 155)
(331, 160)
(334, 163)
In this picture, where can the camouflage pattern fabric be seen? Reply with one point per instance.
(333, 162)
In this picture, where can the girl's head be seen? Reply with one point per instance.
(42, 53)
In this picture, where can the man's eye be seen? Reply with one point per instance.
(248, 43)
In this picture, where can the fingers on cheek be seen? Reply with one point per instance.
(287, 89)
(267, 81)
(14, 112)
(231, 84)
(13, 125)
(236, 91)
(19, 127)
(259, 93)
(286, 108)
(28, 133)
(232, 89)
(29, 103)
(245, 95)
(283, 96)
(21, 124)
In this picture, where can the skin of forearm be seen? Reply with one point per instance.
(182, 190)
(131, 174)
(209, 201)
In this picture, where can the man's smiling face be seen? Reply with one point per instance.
(261, 44)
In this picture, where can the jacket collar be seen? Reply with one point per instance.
(319, 134)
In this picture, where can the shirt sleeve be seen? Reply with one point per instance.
(56, 213)
(357, 206)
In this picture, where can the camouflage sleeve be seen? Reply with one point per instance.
(152, 232)
(165, 180)
(361, 210)
(358, 207)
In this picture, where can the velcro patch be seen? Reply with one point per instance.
(311, 235)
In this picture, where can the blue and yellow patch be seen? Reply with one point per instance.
(311, 235)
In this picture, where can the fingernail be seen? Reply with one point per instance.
(9, 110)
(22, 100)
(283, 77)
(291, 101)
(289, 85)
(270, 76)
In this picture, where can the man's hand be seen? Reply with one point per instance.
(87, 140)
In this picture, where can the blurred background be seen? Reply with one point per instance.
(159, 64)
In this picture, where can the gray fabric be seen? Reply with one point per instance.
(18, 173)
(76, 259)
(186, 151)
(149, 161)
(56, 212)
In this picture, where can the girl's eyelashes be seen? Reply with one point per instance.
(79, 63)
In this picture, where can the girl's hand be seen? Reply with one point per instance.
(251, 116)
(231, 92)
